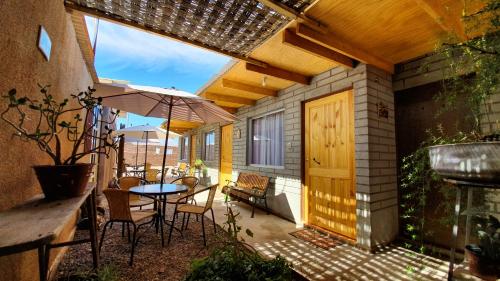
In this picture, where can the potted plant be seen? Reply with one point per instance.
(473, 71)
(484, 259)
(56, 126)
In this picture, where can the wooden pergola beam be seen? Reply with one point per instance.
(293, 40)
(235, 85)
(231, 99)
(343, 46)
(71, 8)
(279, 73)
(441, 14)
(231, 110)
(293, 14)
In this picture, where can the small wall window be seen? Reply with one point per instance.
(209, 151)
(267, 140)
(184, 145)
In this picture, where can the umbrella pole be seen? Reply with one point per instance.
(145, 155)
(136, 153)
(166, 140)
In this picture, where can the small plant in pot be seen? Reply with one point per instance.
(56, 126)
(484, 259)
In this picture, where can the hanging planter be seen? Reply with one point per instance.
(476, 161)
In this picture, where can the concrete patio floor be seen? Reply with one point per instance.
(345, 262)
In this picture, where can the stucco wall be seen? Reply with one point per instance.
(374, 146)
(23, 66)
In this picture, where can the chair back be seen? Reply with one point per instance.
(211, 196)
(126, 183)
(151, 175)
(119, 207)
(190, 182)
(182, 167)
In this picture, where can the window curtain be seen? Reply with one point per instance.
(268, 140)
(210, 146)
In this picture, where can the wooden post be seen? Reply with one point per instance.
(121, 152)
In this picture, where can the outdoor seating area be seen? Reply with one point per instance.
(249, 140)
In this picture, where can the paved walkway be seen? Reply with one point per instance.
(271, 237)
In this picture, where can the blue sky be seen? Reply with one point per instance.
(146, 59)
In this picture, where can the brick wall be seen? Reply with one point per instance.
(374, 146)
(155, 154)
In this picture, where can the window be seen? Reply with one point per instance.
(209, 152)
(184, 148)
(267, 140)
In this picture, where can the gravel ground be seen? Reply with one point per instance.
(151, 261)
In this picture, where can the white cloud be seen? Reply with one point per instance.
(121, 46)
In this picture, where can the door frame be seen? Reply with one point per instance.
(191, 145)
(220, 151)
(303, 207)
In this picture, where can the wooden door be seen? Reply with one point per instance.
(192, 151)
(226, 154)
(330, 200)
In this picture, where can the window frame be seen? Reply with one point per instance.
(250, 141)
(184, 148)
(205, 134)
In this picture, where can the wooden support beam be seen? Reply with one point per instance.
(231, 110)
(71, 8)
(293, 14)
(441, 14)
(292, 39)
(231, 99)
(341, 45)
(279, 73)
(248, 88)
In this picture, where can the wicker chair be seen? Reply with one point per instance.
(126, 183)
(119, 211)
(185, 208)
(191, 182)
(152, 175)
(180, 171)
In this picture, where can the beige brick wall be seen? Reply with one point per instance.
(375, 149)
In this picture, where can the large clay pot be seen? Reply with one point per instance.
(63, 181)
(480, 266)
(478, 161)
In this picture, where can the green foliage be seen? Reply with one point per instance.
(489, 238)
(418, 180)
(235, 260)
(478, 58)
(46, 126)
(199, 164)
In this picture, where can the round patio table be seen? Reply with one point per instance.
(161, 191)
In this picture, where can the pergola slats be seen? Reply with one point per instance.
(231, 26)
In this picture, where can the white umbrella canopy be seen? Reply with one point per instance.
(154, 102)
(162, 103)
(139, 132)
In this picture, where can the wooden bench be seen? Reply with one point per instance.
(249, 186)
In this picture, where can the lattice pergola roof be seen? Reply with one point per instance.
(231, 26)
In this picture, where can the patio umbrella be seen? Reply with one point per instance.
(142, 132)
(162, 103)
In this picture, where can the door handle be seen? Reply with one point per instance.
(317, 162)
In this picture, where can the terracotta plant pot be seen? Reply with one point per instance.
(478, 161)
(480, 266)
(63, 181)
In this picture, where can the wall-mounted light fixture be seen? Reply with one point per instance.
(44, 42)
